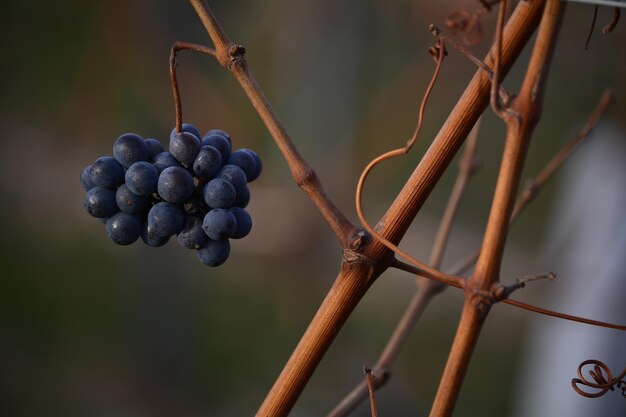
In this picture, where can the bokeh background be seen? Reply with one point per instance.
(91, 329)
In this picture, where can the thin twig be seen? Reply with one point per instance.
(502, 292)
(231, 56)
(495, 83)
(369, 377)
(593, 25)
(535, 184)
(179, 46)
(564, 316)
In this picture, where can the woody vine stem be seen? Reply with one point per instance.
(367, 254)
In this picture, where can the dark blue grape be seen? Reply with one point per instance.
(165, 160)
(106, 172)
(154, 148)
(219, 142)
(85, 179)
(234, 175)
(221, 133)
(124, 228)
(142, 178)
(189, 128)
(214, 252)
(219, 224)
(259, 164)
(244, 222)
(242, 198)
(166, 219)
(184, 147)
(219, 193)
(152, 239)
(175, 185)
(244, 160)
(129, 202)
(207, 163)
(192, 236)
(130, 148)
(100, 202)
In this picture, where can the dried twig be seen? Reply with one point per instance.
(427, 289)
(486, 274)
(593, 25)
(535, 184)
(495, 83)
(231, 56)
(179, 46)
(369, 377)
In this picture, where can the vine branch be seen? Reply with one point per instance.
(359, 270)
(231, 56)
(486, 275)
(427, 289)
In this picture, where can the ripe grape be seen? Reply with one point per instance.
(184, 147)
(166, 219)
(124, 228)
(219, 193)
(221, 133)
(189, 128)
(85, 179)
(106, 172)
(192, 236)
(154, 148)
(242, 198)
(165, 160)
(214, 252)
(219, 142)
(197, 190)
(259, 164)
(207, 163)
(244, 222)
(150, 238)
(129, 202)
(245, 161)
(219, 224)
(234, 175)
(142, 178)
(100, 202)
(130, 148)
(175, 185)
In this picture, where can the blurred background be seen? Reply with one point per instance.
(88, 328)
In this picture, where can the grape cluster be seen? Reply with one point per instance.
(197, 191)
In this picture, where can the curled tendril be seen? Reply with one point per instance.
(435, 51)
(604, 381)
(467, 25)
(617, 12)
